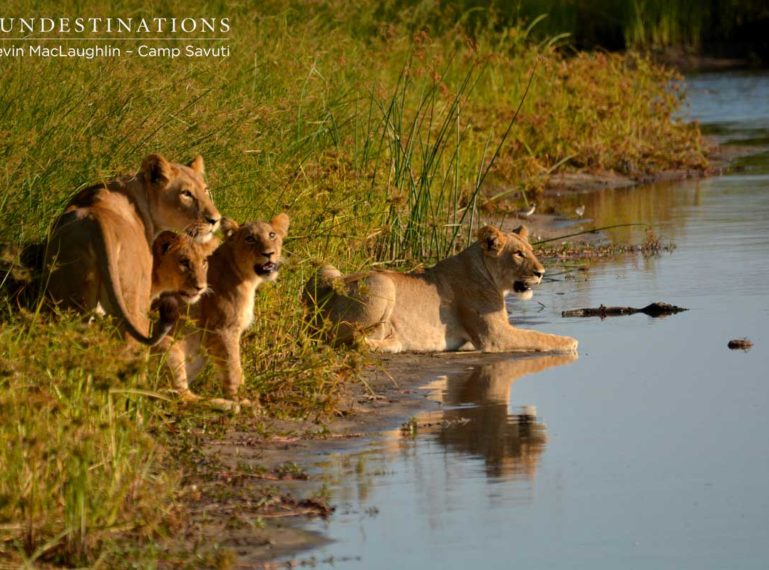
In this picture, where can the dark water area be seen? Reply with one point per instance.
(651, 450)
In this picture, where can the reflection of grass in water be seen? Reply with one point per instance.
(754, 164)
(652, 205)
(757, 141)
(372, 137)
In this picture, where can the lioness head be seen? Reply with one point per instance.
(178, 194)
(179, 265)
(258, 245)
(511, 260)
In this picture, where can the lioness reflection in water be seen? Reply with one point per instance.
(478, 422)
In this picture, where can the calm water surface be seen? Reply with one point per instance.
(649, 451)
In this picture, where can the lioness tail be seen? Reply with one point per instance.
(168, 307)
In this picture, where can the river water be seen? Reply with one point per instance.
(649, 451)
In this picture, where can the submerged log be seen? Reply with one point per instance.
(653, 310)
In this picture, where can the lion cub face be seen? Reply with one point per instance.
(258, 246)
(179, 194)
(511, 259)
(180, 265)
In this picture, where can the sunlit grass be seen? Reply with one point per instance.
(78, 466)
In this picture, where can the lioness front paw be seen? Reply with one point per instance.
(570, 344)
(188, 396)
(224, 405)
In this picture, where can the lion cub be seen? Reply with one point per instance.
(249, 256)
(179, 265)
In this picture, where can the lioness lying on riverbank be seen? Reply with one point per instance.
(458, 304)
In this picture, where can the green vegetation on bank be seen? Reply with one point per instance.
(382, 139)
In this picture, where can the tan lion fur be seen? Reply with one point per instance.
(180, 265)
(458, 304)
(249, 256)
(99, 250)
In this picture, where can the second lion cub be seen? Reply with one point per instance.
(249, 255)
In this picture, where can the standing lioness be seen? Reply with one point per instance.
(99, 250)
(459, 303)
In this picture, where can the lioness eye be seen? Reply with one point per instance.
(185, 263)
(273, 235)
(187, 194)
(250, 239)
(519, 253)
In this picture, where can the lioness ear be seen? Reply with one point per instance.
(491, 239)
(162, 243)
(522, 232)
(156, 169)
(197, 165)
(280, 224)
(228, 226)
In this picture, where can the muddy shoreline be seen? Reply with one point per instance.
(247, 496)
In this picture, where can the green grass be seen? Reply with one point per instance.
(380, 138)
(78, 465)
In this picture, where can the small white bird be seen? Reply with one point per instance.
(528, 212)
(580, 210)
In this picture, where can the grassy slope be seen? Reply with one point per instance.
(373, 135)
